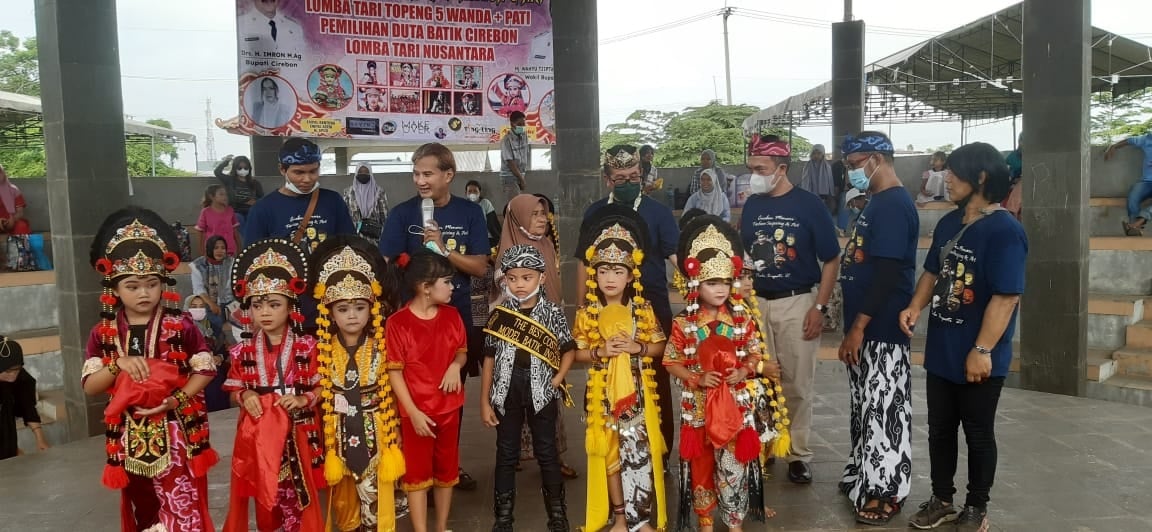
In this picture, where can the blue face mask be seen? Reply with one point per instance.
(519, 130)
(859, 179)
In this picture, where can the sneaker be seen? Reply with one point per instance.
(973, 519)
(467, 483)
(933, 513)
(401, 505)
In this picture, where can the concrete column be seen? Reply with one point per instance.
(847, 80)
(341, 160)
(266, 155)
(576, 156)
(1057, 63)
(87, 173)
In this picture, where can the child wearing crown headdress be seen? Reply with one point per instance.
(356, 292)
(617, 333)
(155, 364)
(528, 350)
(715, 354)
(277, 456)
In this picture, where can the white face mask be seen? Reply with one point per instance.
(516, 300)
(474, 198)
(296, 190)
(242, 172)
(198, 314)
(759, 184)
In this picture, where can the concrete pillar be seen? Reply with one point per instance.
(1056, 63)
(266, 155)
(576, 156)
(341, 160)
(847, 80)
(87, 173)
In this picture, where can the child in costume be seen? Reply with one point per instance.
(617, 333)
(154, 363)
(715, 354)
(277, 457)
(427, 346)
(528, 350)
(361, 429)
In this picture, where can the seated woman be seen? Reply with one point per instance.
(12, 205)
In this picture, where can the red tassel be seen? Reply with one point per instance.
(691, 445)
(115, 477)
(747, 445)
(204, 461)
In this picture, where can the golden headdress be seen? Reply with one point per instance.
(269, 266)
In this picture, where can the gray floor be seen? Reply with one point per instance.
(1065, 464)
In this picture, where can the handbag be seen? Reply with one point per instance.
(370, 228)
(20, 256)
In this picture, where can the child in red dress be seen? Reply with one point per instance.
(274, 379)
(154, 363)
(427, 346)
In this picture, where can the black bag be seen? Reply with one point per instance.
(370, 229)
(184, 242)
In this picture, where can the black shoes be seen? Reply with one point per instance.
(503, 509)
(557, 508)
(799, 472)
(466, 482)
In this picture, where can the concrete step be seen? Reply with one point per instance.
(42, 357)
(1139, 335)
(52, 419)
(1130, 389)
(1133, 362)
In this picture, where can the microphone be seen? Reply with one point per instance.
(426, 209)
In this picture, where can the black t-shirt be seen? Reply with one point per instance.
(17, 400)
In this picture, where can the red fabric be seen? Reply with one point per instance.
(219, 223)
(424, 349)
(190, 338)
(235, 380)
(174, 499)
(163, 379)
(258, 450)
(435, 459)
(704, 484)
(759, 147)
(723, 419)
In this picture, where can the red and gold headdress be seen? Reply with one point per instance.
(272, 266)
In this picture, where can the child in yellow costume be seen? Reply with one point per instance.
(616, 332)
(361, 429)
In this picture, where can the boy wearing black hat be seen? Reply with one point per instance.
(17, 399)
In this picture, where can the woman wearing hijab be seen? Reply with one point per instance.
(12, 205)
(708, 162)
(817, 177)
(243, 188)
(210, 280)
(367, 203)
(709, 199)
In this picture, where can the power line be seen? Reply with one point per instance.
(662, 27)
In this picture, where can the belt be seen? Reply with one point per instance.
(785, 293)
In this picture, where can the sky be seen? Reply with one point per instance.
(175, 55)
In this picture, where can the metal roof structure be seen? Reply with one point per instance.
(971, 74)
(21, 117)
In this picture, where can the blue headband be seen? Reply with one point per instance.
(867, 143)
(307, 153)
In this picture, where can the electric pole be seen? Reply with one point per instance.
(209, 141)
(847, 10)
(727, 59)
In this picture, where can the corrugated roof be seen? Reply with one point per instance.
(16, 108)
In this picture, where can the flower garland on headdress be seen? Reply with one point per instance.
(343, 276)
(263, 268)
(617, 245)
(131, 249)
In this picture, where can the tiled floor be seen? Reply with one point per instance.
(1066, 464)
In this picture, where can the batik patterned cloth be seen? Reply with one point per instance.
(880, 459)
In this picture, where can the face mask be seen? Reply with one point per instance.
(294, 189)
(855, 210)
(759, 184)
(198, 314)
(243, 172)
(363, 178)
(518, 301)
(859, 179)
(519, 130)
(626, 192)
(474, 198)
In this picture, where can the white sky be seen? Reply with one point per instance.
(176, 54)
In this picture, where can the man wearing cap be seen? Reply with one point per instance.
(793, 247)
(877, 278)
(854, 201)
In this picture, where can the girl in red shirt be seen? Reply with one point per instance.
(427, 347)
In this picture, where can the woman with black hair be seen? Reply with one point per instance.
(972, 281)
(243, 188)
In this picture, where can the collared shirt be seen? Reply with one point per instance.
(552, 317)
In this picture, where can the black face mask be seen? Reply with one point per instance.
(363, 178)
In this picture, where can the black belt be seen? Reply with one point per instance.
(785, 293)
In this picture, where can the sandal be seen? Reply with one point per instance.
(1132, 230)
(883, 511)
(567, 471)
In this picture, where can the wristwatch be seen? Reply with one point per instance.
(983, 350)
(822, 308)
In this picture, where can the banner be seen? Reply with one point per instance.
(401, 71)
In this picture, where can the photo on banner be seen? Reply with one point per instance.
(405, 71)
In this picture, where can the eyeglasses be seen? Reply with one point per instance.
(626, 179)
(858, 163)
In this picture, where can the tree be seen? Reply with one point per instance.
(19, 65)
(1117, 117)
(681, 136)
(947, 148)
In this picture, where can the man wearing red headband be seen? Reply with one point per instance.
(792, 243)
